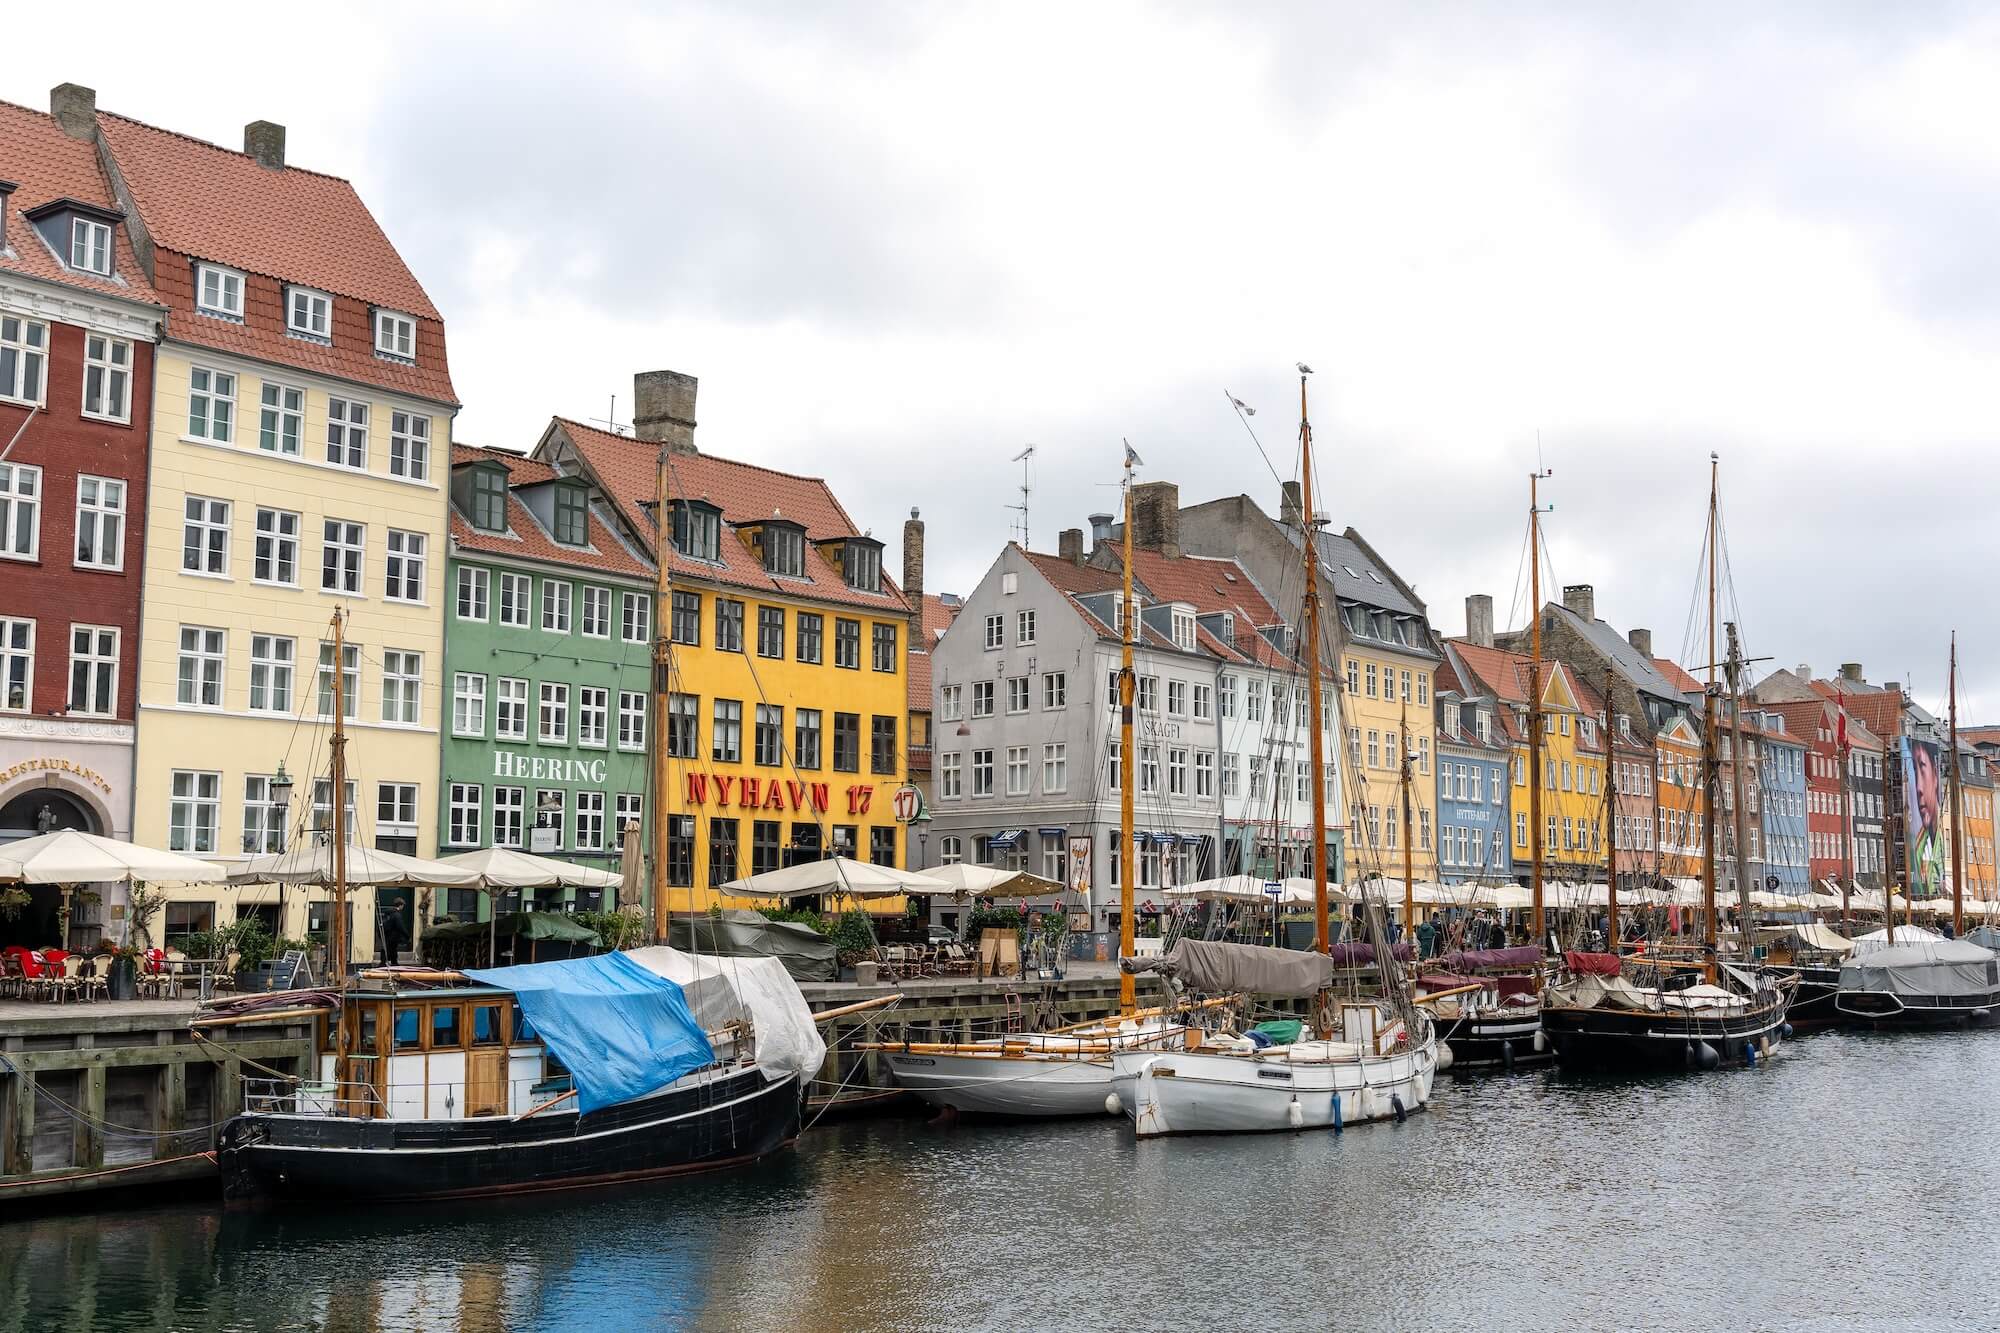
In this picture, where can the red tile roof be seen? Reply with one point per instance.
(938, 615)
(1880, 710)
(288, 225)
(46, 165)
(1682, 681)
(1083, 580)
(746, 494)
(1214, 586)
(919, 683)
(1507, 677)
(526, 538)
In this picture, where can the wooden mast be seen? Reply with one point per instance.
(1740, 789)
(1128, 999)
(1535, 703)
(1842, 753)
(1409, 843)
(1610, 823)
(1710, 761)
(338, 933)
(663, 598)
(1957, 809)
(1309, 548)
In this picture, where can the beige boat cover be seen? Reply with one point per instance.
(1210, 967)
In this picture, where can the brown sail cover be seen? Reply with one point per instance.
(1593, 964)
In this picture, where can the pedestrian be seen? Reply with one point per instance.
(1426, 939)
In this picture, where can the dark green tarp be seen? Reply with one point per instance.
(740, 933)
(528, 925)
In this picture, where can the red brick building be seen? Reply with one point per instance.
(78, 325)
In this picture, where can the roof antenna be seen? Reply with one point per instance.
(1022, 508)
(610, 418)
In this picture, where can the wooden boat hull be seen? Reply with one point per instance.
(1027, 1086)
(1201, 1092)
(1603, 1037)
(698, 1125)
(1494, 1039)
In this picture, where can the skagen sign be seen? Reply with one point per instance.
(548, 768)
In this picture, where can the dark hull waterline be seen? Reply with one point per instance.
(1879, 1009)
(1488, 1041)
(1625, 1038)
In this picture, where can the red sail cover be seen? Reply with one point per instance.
(1479, 960)
(1598, 964)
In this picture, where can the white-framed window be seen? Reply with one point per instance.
(211, 405)
(996, 631)
(17, 664)
(402, 686)
(24, 358)
(107, 378)
(1183, 624)
(596, 612)
(341, 546)
(1024, 627)
(593, 706)
(982, 772)
(1204, 773)
(309, 312)
(20, 511)
(194, 810)
(205, 536)
(982, 698)
(510, 709)
(275, 552)
(631, 811)
(346, 433)
(1232, 776)
(1055, 767)
(631, 720)
(589, 821)
(1203, 702)
(396, 809)
(1149, 694)
(90, 246)
(1177, 696)
(403, 566)
(218, 291)
(636, 617)
(951, 776)
(281, 421)
(468, 703)
(555, 606)
(467, 805)
(517, 593)
(271, 661)
(1017, 694)
(1177, 770)
(1017, 770)
(263, 824)
(199, 671)
(509, 816)
(1055, 689)
(409, 446)
(93, 670)
(100, 523)
(350, 680)
(1149, 768)
(395, 335)
(552, 726)
(473, 583)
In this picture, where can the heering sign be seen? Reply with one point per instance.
(548, 768)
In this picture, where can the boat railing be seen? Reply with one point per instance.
(284, 1096)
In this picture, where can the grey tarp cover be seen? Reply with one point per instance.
(1985, 937)
(739, 933)
(1932, 967)
(1210, 967)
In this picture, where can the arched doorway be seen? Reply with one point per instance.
(37, 811)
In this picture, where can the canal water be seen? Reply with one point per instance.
(1848, 1183)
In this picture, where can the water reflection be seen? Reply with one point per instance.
(1748, 1198)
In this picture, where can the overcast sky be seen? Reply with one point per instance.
(899, 243)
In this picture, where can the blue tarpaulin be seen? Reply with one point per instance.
(620, 1030)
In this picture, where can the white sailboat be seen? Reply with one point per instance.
(1368, 1059)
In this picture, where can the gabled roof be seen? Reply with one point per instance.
(1355, 575)
(526, 538)
(1074, 581)
(45, 164)
(1678, 678)
(1880, 710)
(1804, 719)
(1212, 586)
(746, 494)
(1634, 665)
(1508, 677)
(938, 615)
(1783, 686)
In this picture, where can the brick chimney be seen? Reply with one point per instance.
(265, 141)
(1641, 641)
(1156, 517)
(1070, 545)
(1851, 672)
(75, 109)
(1582, 599)
(913, 576)
(663, 409)
(1479, 619)
(1289, 505)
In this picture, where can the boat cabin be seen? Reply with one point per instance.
(433, 1055)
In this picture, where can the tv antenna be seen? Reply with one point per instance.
(1027, 479)
(610, 418)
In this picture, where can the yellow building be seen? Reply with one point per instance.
(789, 676)
(301, 437)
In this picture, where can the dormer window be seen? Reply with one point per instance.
(395, 335)
(218, 291)
(572, 511)
(1451, 719)
(861, 564)
(309, 313)
(1183, 630)
(784, 548)
(90, 246)
(1483, 721)
(489, 499)
(698, 530)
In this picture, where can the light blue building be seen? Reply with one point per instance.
(1781, 771)
(1472, 758)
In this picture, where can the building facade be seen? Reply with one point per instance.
(79, 322)
(1472, 783)
(548, 671)
(1781, 770)
(302, 420)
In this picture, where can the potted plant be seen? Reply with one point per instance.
(252, 944)
(121, 969)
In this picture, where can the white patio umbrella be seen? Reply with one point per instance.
(836, 874)
(501, 868)
(1224, 889)
(976, 881)
(69, 856)
(311, 862)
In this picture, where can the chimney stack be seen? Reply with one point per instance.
(1851, 672)
(1582, 599)
(6, 190)
(1156, 517)
(1805, 674)
(1641, 641)
(1289, 505)
(75, 109)
(663, 409)
(1479, 619)
(265, 141)
(913, 577)
(1892, 687)
(1070, 545)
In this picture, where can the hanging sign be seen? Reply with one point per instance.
(909, 804)
(1079, 863)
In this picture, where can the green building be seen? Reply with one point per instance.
(548, 645)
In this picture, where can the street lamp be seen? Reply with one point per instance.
(281, 801)
(923, 823)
